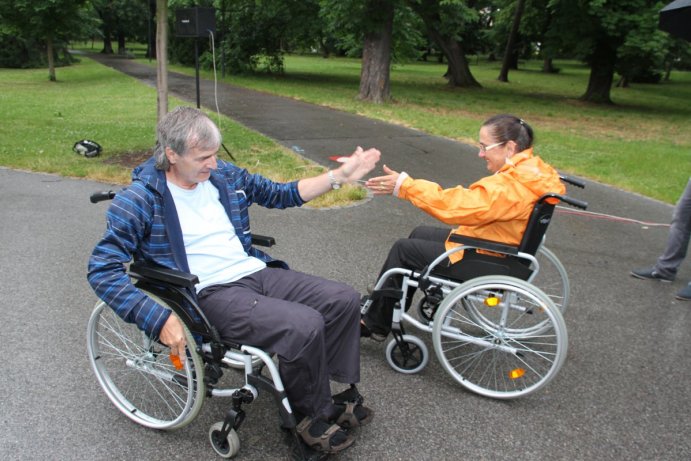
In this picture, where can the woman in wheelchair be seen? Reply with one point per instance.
(497, 208)
(186, 210)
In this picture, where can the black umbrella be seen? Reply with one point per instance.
(675, 18)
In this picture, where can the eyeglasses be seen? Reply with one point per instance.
(484, 148)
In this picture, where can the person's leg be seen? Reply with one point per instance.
(678, 239)
(309, 322)
(423, 245)
(339, 306)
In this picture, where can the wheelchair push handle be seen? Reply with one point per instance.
(102, 196)
(566, 199)
(573, 181)
(575, 202)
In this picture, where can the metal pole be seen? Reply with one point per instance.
(196, 67)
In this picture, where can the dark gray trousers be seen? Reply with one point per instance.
(310, 323)
(678, 238)
(421, 247)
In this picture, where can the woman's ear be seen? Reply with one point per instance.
(512, 148)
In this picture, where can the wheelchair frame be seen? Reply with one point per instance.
(500, 336)
(143, 381)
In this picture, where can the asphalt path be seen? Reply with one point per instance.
(622, 393)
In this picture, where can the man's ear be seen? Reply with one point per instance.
(170, 155)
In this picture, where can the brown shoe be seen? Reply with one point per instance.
(322, 436)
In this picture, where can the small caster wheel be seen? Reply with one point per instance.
(225, 447)
(409, 357)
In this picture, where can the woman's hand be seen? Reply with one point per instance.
(383, 185)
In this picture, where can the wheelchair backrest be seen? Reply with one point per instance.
(537, 225)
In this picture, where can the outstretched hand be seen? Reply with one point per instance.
(359, 164)
(383, 185)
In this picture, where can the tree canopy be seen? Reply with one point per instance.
(613, 37)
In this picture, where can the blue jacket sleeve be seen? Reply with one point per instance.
(128, 223)
(267, 193)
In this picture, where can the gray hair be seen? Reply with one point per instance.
(505, 128)
(182, 129)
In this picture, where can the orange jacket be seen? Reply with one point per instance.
(496, 207)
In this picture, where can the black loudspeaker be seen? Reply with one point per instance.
(195, 22)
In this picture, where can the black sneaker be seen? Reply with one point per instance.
(649, 273)
(685, 293)
(365, 332)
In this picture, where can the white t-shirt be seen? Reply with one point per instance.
(214, 251)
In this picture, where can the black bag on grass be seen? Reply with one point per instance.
(87, 148)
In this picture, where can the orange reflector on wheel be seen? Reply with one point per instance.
(177, 363)
(516, 373)
(492, 301)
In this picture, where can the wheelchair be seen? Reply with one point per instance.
(499, 330)
(158, 390)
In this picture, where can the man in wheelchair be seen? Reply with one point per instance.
(496, 208)
(188, 210)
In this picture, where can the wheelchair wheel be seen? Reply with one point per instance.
(409, 357)
(138, 376)
(552, 278)
(485, 337)
(226, 447)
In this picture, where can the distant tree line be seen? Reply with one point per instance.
(614, 37)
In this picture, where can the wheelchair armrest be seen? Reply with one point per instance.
(149, 271)
(263, 240)
(489, 245)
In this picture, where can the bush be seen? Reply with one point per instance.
(20, 53)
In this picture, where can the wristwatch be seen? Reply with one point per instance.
(334, 184)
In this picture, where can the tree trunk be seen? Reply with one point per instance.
(601, 74)
(458, 70)
(162, 57)
(513, 62)
(107, 40)
(547, 66)
(324, 48)
(51, 59)
(376, 57)
(122, 49)
(668, 71)
(511, 42)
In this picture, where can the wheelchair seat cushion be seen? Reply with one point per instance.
(476, 264)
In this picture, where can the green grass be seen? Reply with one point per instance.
(642, 143)
(42, 120)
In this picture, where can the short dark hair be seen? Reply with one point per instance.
(506, 127)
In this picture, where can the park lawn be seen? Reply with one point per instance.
(642, 143)
(41, 121)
